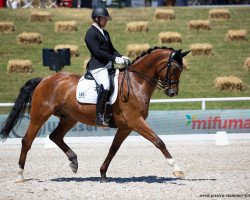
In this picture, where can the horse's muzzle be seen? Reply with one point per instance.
(171, 92)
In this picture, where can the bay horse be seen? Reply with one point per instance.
(56, 95)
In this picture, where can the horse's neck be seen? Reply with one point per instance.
(146, 73)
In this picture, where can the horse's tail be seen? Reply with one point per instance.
(18, 110)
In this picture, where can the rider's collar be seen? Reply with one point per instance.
(98, 27)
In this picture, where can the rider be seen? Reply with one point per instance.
(103, 56)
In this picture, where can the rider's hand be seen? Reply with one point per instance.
(119, 61)
(126, 59)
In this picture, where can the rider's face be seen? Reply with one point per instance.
(103, 21)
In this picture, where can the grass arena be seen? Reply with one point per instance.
(138, 171)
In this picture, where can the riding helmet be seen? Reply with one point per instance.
(100, 12)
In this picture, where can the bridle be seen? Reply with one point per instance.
(166, 84)
(171, 63)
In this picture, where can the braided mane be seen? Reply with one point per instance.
(149, 51)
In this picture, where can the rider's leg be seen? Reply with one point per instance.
(100, 105)
(101, 76)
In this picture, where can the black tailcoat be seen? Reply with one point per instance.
(101, 48)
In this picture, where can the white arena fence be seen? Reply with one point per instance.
(202, 100)
(200, 124)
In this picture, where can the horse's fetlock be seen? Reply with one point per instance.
(73, 158)
(71, 155)
(160, 144)
(103, 170)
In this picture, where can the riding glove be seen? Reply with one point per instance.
(119, 61)
(126, 59)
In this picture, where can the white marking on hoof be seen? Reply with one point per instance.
(178, 174)
(176, 168)
(20, 178)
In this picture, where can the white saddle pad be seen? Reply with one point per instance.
(86, 90)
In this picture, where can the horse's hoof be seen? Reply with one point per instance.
(178, 174)
(73, 167)
(20, 180)
(104, 180)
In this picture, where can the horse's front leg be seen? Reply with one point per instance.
(120, 136)
(143, 129)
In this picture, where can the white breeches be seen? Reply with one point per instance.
(101, 76)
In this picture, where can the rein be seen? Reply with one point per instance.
(159, 84)
(125, 98)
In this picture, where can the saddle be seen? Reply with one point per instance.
(88, 76)
(111, 71)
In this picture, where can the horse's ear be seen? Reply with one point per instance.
(177, 54)
(184, 53)
(179, 51)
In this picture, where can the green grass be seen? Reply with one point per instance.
(196, 82)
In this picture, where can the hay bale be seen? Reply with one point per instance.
(39, 16)
(247, 64)
(134, 50)
(6, 27)
(29, 38)
(169, 37)
(236, 35)
(219, 14)
(65, 26)
(201, 49)
(164, 14)
(228, 83)
(73, 49)
(199, 24)
(140, 26)
(18, 65)
(185, 64)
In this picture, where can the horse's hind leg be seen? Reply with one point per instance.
(27, 141)
(57, 137)
(120, 136)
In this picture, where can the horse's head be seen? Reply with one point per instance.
(160, 66)
(170, 73)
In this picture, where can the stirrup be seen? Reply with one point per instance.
(100, 120)
(108, 117)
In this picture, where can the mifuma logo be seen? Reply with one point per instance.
(217, 123)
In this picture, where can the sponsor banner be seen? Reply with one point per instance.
(162, 122)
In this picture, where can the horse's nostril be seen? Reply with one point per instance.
(171, 92)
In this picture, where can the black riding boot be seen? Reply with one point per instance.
(100, 105)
